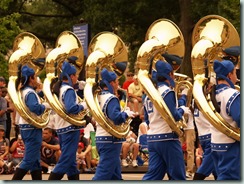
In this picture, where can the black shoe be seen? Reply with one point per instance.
(19, 174)
(55, 176)
(74, 177)
(36, 175)
(199, 176)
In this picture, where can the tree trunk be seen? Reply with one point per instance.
(186, 27)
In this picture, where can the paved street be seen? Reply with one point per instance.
(83, 176)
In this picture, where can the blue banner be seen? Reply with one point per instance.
(82, 32)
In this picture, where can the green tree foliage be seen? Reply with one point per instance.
(47, 19)
(231, 9)
(9, 28)
(128, 19)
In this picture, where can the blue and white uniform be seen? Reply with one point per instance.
(108, 146)
(204, 136)
(31, 135)
(225, 150)
(164, 147)
(68, 134)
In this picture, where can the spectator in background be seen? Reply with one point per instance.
(16, 118)
(198, 155)
(130, 145)
(3, 110)
(17, 150)
(122, 95)
(2, 82)
(135, 92)
(80, 158)
(10, 113)
(94, 154)
(95, 158)
(189, 139)
(128, 80)
(50, 150)
(87, 151)
(143, 127)
(4, 150)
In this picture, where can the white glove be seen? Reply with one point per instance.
(186, 110)
(185, 91)
(81, 84)
(127, 109)
(84, 105)
(47, 106)
(131, 114)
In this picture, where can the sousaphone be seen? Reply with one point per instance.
(163, 36)
(27, 49)
(106, 50)
(67, 45)
(210, 35)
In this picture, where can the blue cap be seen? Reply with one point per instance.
(40, 60)
(120, 67)
(163, 69)
(222, 69)
(67, 70)
(107, 77)
(26, 72)
(233, 51)
(173, 60)
(72, 58)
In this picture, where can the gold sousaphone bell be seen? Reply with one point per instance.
(67, 45)
(210, 35)
(163, 36)
(106, 50)
(27, 49)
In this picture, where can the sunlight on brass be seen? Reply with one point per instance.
(106, 50)
(27, 47)
(210, 36)
(67, 45)
(163, 36)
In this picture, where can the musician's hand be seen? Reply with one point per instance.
(185, 91)
(81, 84)
(84, 105)
(47, 106)
(131, 114)
(186, 110)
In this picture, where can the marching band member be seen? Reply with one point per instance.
(68, 134)
(225, 150)
(204, 135)
(233, 54)
(164, 147)
(31, 135)
(108, 146)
